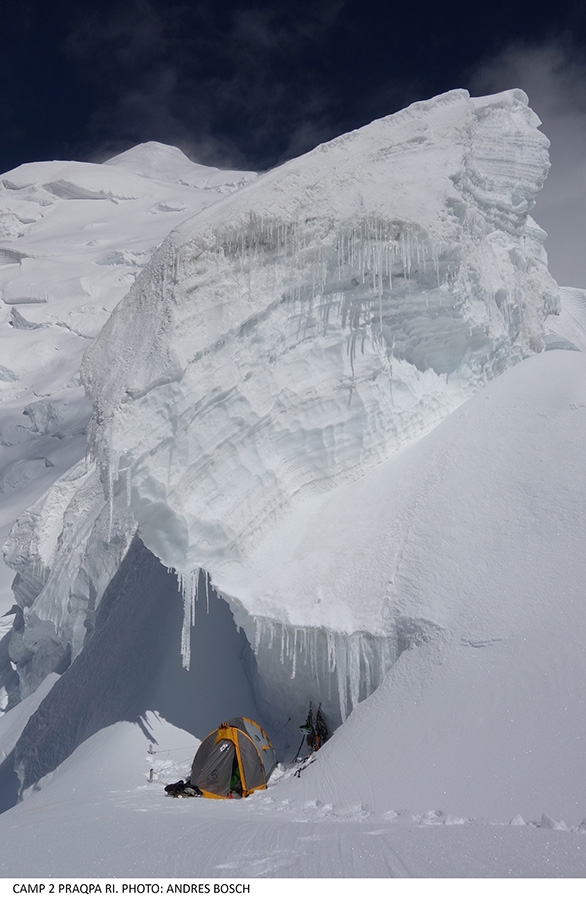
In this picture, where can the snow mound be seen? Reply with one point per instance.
(164, 163)
(73, 181)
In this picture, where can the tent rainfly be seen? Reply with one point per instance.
(233, 761)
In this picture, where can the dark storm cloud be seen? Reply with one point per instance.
(553, 74)
(282, 27)
(232, 86)
(250, 83)
(122, 54)
(123, 37)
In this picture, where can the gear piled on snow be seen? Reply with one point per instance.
(234, 760)
(182, 789)
(315, 729)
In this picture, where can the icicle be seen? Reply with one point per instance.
(186, 629)
(367, 671)
(380, 295)
(195, 576)
(353, 676)
(315, 655)
(128, 486)
(294, 663)
(312, 648)
(383, 665)
(331, 649)
(110, 498)
(342, 679)
(188, 585)
(257, 634)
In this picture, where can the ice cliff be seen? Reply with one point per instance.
(73, 237)
(279, 347)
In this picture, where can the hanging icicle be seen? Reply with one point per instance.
(348, 667)
(188, 587)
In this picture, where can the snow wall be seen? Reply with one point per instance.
(280, 346)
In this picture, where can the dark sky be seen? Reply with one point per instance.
(251, 84)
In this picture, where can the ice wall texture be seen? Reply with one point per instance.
(288, 340)
(296, 334)
(73, 237)
(291, 338)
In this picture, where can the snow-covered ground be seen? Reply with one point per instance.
(101, 817)
(328, 392)
(466, 762)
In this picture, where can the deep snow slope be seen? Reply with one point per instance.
(471, 541)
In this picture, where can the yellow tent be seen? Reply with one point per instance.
(233, 761)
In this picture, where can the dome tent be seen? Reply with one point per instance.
(234, 760)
